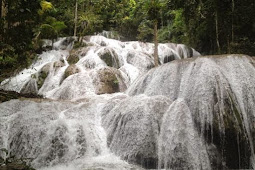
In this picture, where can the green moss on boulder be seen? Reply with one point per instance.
(71, 69)
(42, 75)
(73, 58)
(9, 95)
(110, 58)
(58, 64)
(108, 80)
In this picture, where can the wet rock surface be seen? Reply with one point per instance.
(70, 70)
(191, 113)
(108, 80)
(9, 95)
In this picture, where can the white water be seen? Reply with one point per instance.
(179, 142)
(162, 120)
(133, 59)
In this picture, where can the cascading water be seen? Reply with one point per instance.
(108, 108)
(179, 142)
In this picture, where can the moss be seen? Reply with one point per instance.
(72, 69)
(73, 58)
(58, 64)
(107, 81)
(107, 58)
(78, 44)
(9, 95)
(42, 75)
(41, 79)
(232, 143)
(110, 58)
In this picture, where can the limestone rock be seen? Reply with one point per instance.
(71, 69)
(73, 58)
(108, 80)
(42, 75)
(58, 64)
(141, 60)
(110, 57)
(132, 126)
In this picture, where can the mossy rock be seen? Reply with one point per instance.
(9, 95)
(78, 44)
(108, 80)
(141, 60)
(42, 75)
(110, 58)
(225, 138)
(31, 87)
(71, 69)
(68, 41)
(73, 58)
(58, 64)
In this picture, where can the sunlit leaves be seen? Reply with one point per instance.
(45, 6)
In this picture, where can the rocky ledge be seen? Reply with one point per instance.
(8, 95)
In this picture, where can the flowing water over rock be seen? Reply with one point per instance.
(108, 108)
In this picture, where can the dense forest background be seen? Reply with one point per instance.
(209, 26)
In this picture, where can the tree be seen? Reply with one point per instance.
(153, 11)
(75, 18)
(50, 28)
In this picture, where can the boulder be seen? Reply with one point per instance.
(132, 125)
(110, 57)
(141, 60)
(58, 64)
(108, 80)
(43, 74)
(73, 58)
(71, 69)
(169, 58)
(184, 51)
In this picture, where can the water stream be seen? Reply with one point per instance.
(106, 106)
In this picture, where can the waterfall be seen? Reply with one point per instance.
(180, 146)
(105, 106)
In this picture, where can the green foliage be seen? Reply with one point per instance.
(176, 31)
(59, 26)
(145, 31)
(25, 23)
(89, 22)
(152, 8)
(8, 58)
(214, 25)
(47, 31)
(45, 7)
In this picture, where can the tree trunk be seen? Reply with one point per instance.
(75, 18)
(3, 9)
(217, 31)
(1, 6)
(233, 10)
(3, 13)
(156, 43)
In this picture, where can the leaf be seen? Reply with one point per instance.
(46, 6)
(59, 25)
